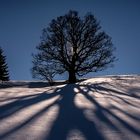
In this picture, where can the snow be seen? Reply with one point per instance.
(101, 108)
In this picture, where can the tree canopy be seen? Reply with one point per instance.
(72, 44)
(4, 75)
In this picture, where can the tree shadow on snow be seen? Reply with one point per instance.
(70, 117)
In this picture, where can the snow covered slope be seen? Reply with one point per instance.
(103, 108)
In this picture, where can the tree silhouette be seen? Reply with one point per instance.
(72, 44)
(4, 75)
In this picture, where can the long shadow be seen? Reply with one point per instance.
(23, 102)
(131, 92)
(101, 109)
(26, 122)
(70, 117)
(103, 89)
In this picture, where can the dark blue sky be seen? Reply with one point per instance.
(21, 23)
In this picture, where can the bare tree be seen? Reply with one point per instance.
(73, 44)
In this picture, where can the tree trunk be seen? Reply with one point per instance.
(72, 77)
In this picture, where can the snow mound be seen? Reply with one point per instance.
(100, 108)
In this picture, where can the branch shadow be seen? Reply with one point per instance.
(70, 117)
(23, 102)
(101, 110)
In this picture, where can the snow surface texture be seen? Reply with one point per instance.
(103, 108)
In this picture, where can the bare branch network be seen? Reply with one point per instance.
(72, 44)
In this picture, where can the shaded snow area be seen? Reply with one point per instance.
(103, 108)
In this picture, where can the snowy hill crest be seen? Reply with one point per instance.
(102, 108)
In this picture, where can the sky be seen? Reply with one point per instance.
(22, 21)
